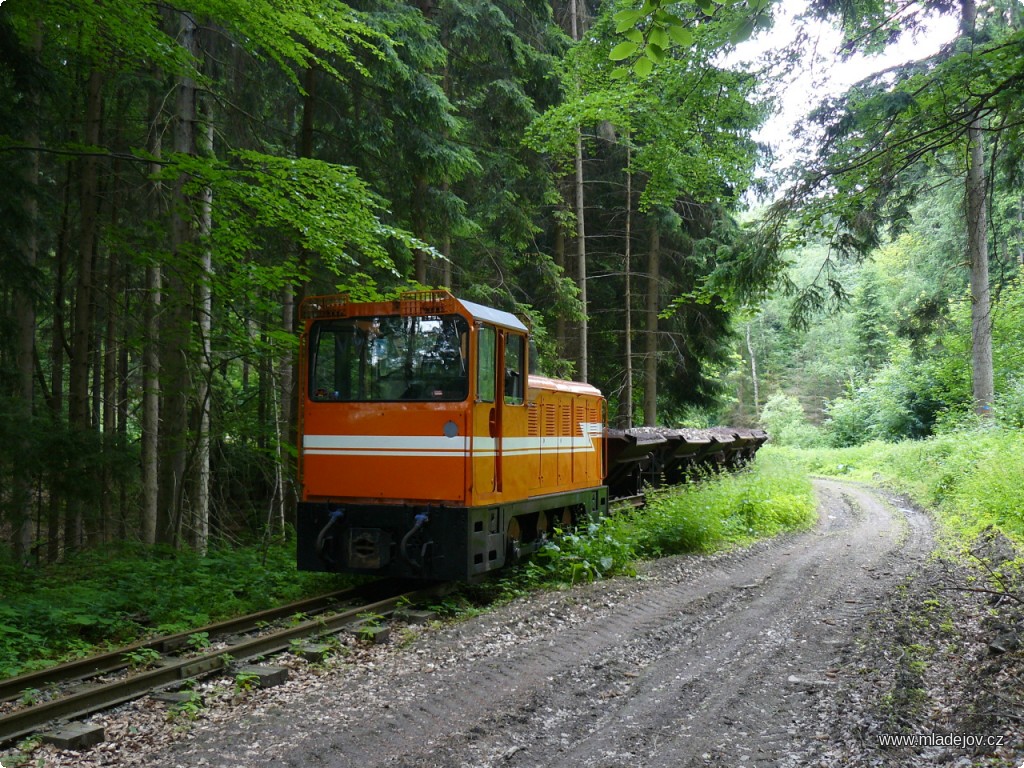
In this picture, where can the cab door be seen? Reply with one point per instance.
(487, 416)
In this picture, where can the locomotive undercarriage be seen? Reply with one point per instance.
(435, 541)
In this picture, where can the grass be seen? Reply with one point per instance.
(973, 479)
(772, 496)
(120, 594)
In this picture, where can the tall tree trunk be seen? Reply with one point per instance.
(124, 530)
(977, 248)
(419, 226)
(151, 353)
(753, 371)
(576, 24)
(176, 332)
(581, 262)
(151, 406)
(290, 302)
(275, 511)
(57, 503)
(109, 384)
(25, 320)
(446, 229)
(977, 244)
(627, 392)
(651, 350)
(112, 295)
(446, 264)
(81, 335)
(201, 507)
(560, 325)
(286, 427)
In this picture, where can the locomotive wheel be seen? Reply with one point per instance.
(565, 520)
(543, 524)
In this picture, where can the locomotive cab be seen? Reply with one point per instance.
(426, 448)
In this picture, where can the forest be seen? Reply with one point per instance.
(177, 178)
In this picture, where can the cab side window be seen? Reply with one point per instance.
(486, 364)
(515, 373)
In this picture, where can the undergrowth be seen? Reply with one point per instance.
(120, 594)
(972, 478)
(771, 496)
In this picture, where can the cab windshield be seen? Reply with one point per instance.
(389, 358)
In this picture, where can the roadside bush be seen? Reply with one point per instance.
(891, 406)
(1010, 404)
(682, 519)
(848, 421)
(600, 550)
(990, 494)
(772, 496)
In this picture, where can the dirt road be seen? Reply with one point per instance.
(700, 661)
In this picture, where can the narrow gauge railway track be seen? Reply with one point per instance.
(115, 660)
(333, 613)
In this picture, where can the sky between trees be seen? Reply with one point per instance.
(823, 71)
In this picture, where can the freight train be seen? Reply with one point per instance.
(429, 448)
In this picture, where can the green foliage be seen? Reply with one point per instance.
(119, 595)
(893, 138)
(245, 683)
(22, 755)
(1010, 404)
(688, 124)
(142, 658)
(198, 641)
(602, 549)
(683, 136)
(772, 496)
(369, 623)
(42, 450)
(784, 420)
(681, 520)
(190, 709)
(131, 33)
(888, 407)
(925, 387)
(893, 364)
(325, 207)
(656, 29)
(870, 322)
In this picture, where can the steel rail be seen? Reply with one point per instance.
(636, 501)
(112, 661)
(25, 721)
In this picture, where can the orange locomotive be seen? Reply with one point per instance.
(426, 448)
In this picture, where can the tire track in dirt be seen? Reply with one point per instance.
(703, 661)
